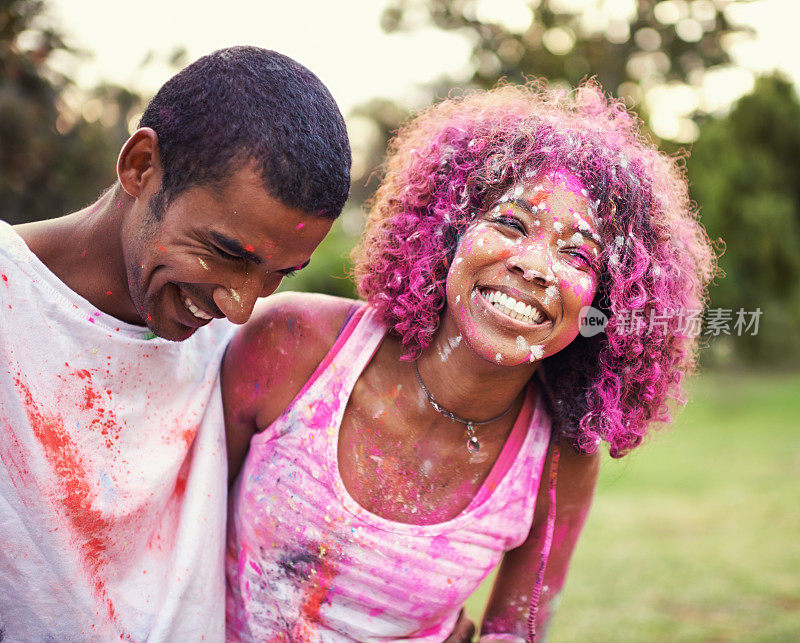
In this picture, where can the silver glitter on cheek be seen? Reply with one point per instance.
(236, 296)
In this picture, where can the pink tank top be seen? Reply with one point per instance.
(305, 562)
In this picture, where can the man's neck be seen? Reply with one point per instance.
(84, 250)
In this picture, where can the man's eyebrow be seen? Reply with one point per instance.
(232, 246)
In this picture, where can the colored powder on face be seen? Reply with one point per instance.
(249, 248)
(5, 278)
(300, 225)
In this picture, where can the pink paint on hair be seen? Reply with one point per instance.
(451, 159)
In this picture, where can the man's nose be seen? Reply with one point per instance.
(237, 301)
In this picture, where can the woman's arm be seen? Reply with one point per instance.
(269, 360)
(507, 612)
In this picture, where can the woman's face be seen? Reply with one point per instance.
(524, 270)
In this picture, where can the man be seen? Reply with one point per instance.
(112, 456)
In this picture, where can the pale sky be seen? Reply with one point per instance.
(343, 44)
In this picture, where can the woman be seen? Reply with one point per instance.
(400, 448)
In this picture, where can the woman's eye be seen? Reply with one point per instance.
(510, 221)
(581, 259)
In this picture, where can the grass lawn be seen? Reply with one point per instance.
(696, 535)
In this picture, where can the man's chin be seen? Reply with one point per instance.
(177, 333)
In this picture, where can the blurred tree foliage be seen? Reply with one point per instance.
(56, 154)
(744, 170)
(631, 47)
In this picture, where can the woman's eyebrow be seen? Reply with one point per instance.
(232, 246)
(588, 235)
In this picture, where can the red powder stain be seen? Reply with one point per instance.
(90, 525)
(11, 455)
(314, 599)
(538, 198)
(162, 248)
(504, 254)
(249, 248)
(5, 278)
(108, 292)
(103, 419)
(188, 435)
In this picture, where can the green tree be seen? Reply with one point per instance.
(744, 170)
(54, 157)
(630, 46)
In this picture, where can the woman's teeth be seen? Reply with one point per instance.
(195, 310)
(513, 308)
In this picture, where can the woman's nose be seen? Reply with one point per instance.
(532, 263)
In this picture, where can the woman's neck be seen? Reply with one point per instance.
(465, 383)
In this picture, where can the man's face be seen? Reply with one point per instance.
(214, 253)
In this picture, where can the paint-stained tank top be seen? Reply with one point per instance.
(305, 562)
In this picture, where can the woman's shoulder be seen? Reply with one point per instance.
(280, 347)
(300, 325)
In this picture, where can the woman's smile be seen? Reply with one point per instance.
(524, 270)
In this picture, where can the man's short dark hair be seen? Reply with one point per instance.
(250, 104)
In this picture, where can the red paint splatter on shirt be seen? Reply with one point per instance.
(91, 527)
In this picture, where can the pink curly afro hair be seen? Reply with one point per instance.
(455, 158)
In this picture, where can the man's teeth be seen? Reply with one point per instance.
(195, 310)
(513, 308)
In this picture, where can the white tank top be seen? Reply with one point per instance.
(305, 562)
(112, 469)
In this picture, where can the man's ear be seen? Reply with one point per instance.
(138, 163)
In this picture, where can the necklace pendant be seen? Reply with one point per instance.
(473, 446)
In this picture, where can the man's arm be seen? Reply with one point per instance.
(507, 612)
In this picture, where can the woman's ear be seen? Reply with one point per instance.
(138, 163)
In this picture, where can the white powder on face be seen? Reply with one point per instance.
(551, 292)
(458, 298)
(558, 226)
(537, 352)
(521, 343)
(498, 357)
(444, 351)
